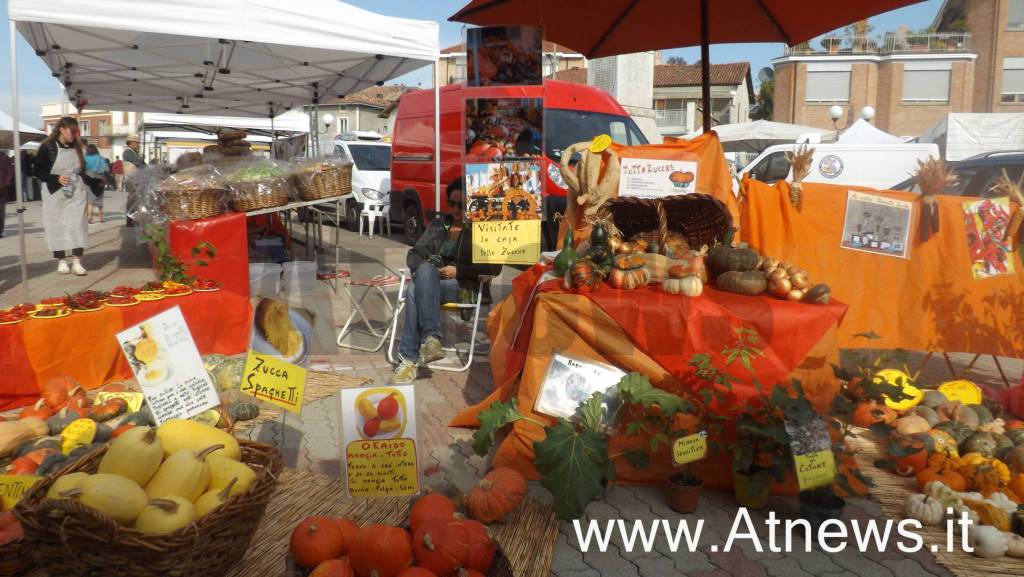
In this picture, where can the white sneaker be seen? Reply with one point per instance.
(62, 267)
(77, 268)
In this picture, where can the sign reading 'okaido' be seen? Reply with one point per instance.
(378, 440)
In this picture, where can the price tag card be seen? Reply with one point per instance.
(964, 391)
(134, 400)
(268, 378)
(378, 433)
(506, 242)
(382, 468)
(690, 448)
(815, 469)
(79, 432)
(13, 487)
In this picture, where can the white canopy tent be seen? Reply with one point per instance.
(760, 134)
(965, 134)
(7, 132)
(863, 132)
(234, 57)
(289, 123)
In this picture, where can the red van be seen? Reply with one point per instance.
(572, 113)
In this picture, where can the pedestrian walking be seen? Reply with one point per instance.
(118, 169)
(60, 164)
(95, 168)
(132, 162)
(26, 176)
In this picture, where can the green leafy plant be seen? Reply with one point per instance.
(171, 267)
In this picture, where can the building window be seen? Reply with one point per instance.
(828, 82)
(343, 124)
(1015, 15)
(83, 128)
(926, 81)
(1013, 80)
(102, 128)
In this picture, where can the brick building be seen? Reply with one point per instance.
(107, 129)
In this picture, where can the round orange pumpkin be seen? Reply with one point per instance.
(333, 568)
(441, 546)
(430, 507)
(417, 572)
(870, 413)
(58, 390)
(948, 477)
(39, 410)
(315, 540)
(380, 551)
(348, 532)
(482, 548)
(496, 495)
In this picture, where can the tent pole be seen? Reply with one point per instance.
(16, 135)
(437, 138)
(705, 67)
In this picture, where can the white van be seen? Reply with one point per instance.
(873, 165)
(371, 170)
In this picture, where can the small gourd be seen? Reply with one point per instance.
(583, 277)
(750, 283)
(115, 496)
(629, 272)
(166, 515)
(946, 496)
(988, 542)
(933, 399)
(927, 510)
(223, 470)
(243, 411)
(959, 431)
(1015, 545)
(40, 410)
(989, 514)
(185, 474)
(213, 499)
(926, 413)
(108, 409)
(567, 256)
(136, 454)
(497, 495)
(999, 499)
(911, 424)
(679, 282)
(984, 413)
(981, 443)
(66, 483)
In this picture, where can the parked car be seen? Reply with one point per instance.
(976, 175)
(878, 166)
(371, 170)
(572, 113)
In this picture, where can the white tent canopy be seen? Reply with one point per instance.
(7, 128)
(760, 134)
(289, 123)
(863, 132)
(965, 134)
(237, 57)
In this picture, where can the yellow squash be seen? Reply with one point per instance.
(136, 454)
(115, 496)
(223, 470)
(214, 498)
(166, 515)
(14, 433)
(178, 434)
(65, 483)
(184, 474)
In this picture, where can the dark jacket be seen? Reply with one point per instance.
(133, 157)
(43, 163)
(429, 245)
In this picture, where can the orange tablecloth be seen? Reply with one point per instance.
(652, 333)
(83, 345)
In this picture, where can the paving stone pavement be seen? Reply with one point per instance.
(311, 442)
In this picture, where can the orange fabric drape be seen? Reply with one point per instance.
(929, 302)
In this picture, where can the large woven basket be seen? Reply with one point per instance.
(193, 203)
(700, 219)
(15, 559)
(255, 195)
(68, 538)
(317, 181)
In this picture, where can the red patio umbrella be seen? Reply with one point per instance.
(598, 28)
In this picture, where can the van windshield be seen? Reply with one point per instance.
(367, 156)
(563, 128)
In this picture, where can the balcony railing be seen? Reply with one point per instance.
(670, 117)
(890, 43)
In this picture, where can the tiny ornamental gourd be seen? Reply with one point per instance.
(108, 409)
(583, 277)
(724, 257)
(137, 454)
(115, 496)
(184, 474)
(911, 424)
(59, 390)
(567, 256)
(166, 515)
(988, 542)
(750, 283)
(629, 272)
(243, 411)
(315, 540)
(497, 495)
(927, 510)
(680, 282)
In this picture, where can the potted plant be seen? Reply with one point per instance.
(761, 451)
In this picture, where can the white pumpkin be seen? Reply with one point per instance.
(997, 425)
(988, 542)
(1003, 502)
(690, 286)
(958, 512)
(927, 510)
(972, 496)
(1014, 545)
(948, 497)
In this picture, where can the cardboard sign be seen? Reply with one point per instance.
(378, 436)
(268, 378)
(690, 448)
(506, 242)
(167, 364)
(13, 487)
(964, 391)
(654, 178)
(78, 433)
(134, 400)
(815, 469)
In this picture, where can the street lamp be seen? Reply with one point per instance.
(835, 113)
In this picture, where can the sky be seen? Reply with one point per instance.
(36, 86)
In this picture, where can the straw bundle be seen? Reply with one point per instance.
(933, 176)
(588, 185)
(1005, 186)
(801, 163)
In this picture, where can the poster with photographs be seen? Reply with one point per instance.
(282, 331)
(570, 382)
(504, 191)
(877, 224)
(985, 223)
(504, 56)
(502, 129)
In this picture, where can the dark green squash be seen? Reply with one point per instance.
(244, 411)
(982, 443)
(983, 412)
(748, 283)
(959, 431)
(725, 258)
(566, 257)
(1016, 435)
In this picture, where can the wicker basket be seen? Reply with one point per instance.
(69, 538)
(699, 218)
(193, 203)
(319, 180)
(15, 559)
(259, 194)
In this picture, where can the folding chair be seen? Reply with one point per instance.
(378, 285)
(440, 365)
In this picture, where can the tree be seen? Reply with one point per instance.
(676, 60)
(765, 101)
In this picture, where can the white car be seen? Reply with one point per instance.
(371, 171)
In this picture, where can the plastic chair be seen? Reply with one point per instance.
(378, 285)
(440, 365)
(372, 210)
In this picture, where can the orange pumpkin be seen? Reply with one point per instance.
(482, 548)
(470, 573)
(915, 455)
(39, 410)
(441, 546)
(432, 506)
(948, 477)
(496, 495)
(417, 572)
(22, 466)
(380, 551)
(1016, 484)
(315, 540)
(1016, 424)
(108, 409)
(348, 532)
(870, 413)
(333, 568)
(58, 390)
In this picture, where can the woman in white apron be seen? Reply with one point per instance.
(61, 166)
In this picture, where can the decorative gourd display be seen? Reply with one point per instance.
(748, 283)
(927, 510)
(40, 410)
(166, 515)
(988, 542)
(629, 272)
(380, 551)
(185, 474)
(430, 507)
(947, 477)
(441, 546)
(224, 470)
(567, 256)
(177, 434)
(213, 499)
(14, 433)
(981, 443)
(115, 496)
(497, 495)
(315, 540)
(724, 257)
(786, 281)
(583, 277)
(681, 282)
(136, 454)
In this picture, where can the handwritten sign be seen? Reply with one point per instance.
(964, 391)
(382, 468)
(134, 400)
(653, 178)
(506, 242)
(815, 469)
(268, 378)
(690, 448)
(78, 433)
(13, 487)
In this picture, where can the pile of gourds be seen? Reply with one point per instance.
(439, 542)
(743, 271)
(159, 480)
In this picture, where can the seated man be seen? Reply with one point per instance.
(442, 270)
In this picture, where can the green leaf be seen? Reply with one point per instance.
(637, 458)
(636, 389)
(195, 251)
(592, 411)
(492, 419)
(634, 428)
(746, 363)
(572, 464)
(202, 263)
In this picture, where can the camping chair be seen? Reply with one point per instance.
(379, 285)
(446, 364)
